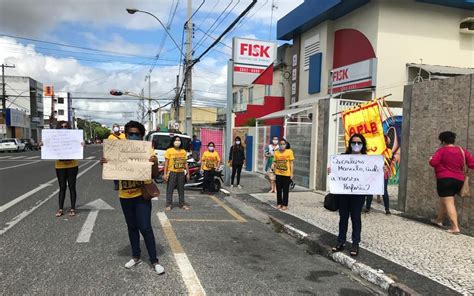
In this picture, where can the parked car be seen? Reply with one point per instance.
(30, 144)
(161, 142)
(11, 144)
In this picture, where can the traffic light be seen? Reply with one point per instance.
(115, 92)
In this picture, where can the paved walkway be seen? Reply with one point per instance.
(429, 251)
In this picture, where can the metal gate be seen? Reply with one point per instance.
(299, 135)
(342, 105)
(262, 141)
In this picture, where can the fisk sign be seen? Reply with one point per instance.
(253, 59)
(354, 76)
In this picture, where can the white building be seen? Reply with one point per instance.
(61, 106)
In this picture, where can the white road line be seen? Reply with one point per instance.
(86, 231)
(193, 285)
(29, 193)
(19, 165)
(18, 157)
(33, 157)
(26, 213)
(4, 157)
(90, 157)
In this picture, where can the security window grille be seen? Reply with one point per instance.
(311, 47)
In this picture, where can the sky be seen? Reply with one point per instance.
(88, 47)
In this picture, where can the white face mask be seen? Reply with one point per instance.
(177, 144)
(282, 147)
(275, 142)
(211, 149)
(116, 129)
(237, 142)
(356, 147)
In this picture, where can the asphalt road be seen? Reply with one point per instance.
(214, 248)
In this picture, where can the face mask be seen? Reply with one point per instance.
(237, 142)
(282, 147)
(356, 147)
(134, 137)
(275, 142)
(116, 129)
(177, 144)
(211, 149)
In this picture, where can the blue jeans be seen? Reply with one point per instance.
(350, 205)
(137, 212)
(386, 200)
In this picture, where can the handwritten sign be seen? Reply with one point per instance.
(127, 160)
(357, 174)
(62, 144)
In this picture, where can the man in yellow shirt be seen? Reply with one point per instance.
(283, 168)
(116, 135)
(210, 161)
(176, 165)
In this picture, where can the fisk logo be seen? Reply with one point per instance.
(340, 75)
(254, 50)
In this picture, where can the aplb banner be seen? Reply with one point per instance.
(365, 119)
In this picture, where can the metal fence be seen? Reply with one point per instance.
(299, 134)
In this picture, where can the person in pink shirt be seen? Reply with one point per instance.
(448, 162)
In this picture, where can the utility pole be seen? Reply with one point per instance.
(149, 124)
(4, 93)
(188, 77)
(176, 102)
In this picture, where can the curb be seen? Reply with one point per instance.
(366, 272)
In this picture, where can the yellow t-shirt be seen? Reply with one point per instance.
(176, 160)
(282, 162)
(113, 137)
(131, 189)
(210, 160)
(66, 164)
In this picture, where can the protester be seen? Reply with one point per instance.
(175, 172)
(236, 160)
(209, 163)
(283, 168)
(196, 147)
(116, 135)
(351, 204)
(136, 210)
(449, 163)
(387, 173)
(66, 172)
(269, 154)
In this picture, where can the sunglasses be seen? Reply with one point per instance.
(356, 143)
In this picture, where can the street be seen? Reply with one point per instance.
(212, 249)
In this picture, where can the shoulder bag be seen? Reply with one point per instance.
(150, 191)
(465, 190)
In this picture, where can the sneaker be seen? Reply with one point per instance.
(168, 208)
(231, 186)
(159, 269)
(132, 263)
(238, 186)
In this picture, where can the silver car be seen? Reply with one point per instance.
(12, 144)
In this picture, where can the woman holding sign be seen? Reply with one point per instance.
(136, 209)
(210, 161)
(283, 169)
(175, 172)
(351, 204)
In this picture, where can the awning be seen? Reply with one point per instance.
(283, 113)
(442, 70)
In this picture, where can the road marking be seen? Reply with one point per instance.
(19, 165)
(25, 214)
(193, 285)
(228, 209)
(3, 157)
(202, 220)
(90, 157)
(33, 157)
(88, 226)
(18, 157)
(31, 192)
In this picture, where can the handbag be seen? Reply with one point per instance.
(331, 202)
(465, 190)
(150, 191)
(155, 171)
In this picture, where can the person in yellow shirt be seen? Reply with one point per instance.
(137, 211)
(283, 169)
(116, 135)
(210, 161)
(66, 172)
(175, 172)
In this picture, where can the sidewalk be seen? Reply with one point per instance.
(431, 252)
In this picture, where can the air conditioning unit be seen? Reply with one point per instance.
(467, 26)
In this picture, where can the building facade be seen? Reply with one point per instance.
(60, 106)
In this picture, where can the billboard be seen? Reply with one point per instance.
(354, 76)
(253, 60)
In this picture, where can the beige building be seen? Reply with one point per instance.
(201, 115)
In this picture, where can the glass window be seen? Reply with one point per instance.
(60, 112)
(251, 95)
(60, 100)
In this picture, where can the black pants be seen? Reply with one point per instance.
(236, 168)
(350, 205)
(283, 189)
(67, 178)
(137, 212)
(208, 182)
(386, 200)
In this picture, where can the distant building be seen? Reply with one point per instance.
(60, 105)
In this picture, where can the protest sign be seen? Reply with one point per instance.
(127, 160)
(357, 174)
(62, 144)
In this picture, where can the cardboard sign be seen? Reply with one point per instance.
(62, 144)
(127, 160)
(357, 174)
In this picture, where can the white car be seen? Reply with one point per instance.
(12, 144)
(162, 140)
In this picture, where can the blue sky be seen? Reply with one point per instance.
(106, 26)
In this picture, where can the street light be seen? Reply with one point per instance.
(134, 10)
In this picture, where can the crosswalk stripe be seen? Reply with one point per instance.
(33, 157)
(18, 157)
(4, 157)
(90, 157)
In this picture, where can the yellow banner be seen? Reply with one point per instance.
(365, 119)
